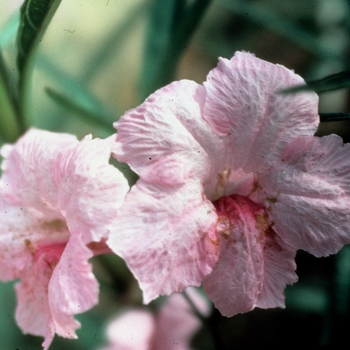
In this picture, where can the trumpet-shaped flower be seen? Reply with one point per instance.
(232, 183)
(58, 203)
(171, 328)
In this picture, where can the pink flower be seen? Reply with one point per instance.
(58, 203)
(232, 183)
(171, 328)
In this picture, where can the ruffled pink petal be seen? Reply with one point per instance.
(21, 233)
(167, 237)
(90, 189)
(309, 194)
(26, 180)
(166, 140)
(33, 313)
(73, 288)
(52, 187)
(176, 323)
(243, 104)
(279, 271)
(57, 284)
(133, 330)
(253, 268)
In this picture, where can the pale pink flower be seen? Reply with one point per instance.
(172, 328)
(232, 183)
(58, 203)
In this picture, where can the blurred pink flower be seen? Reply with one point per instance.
(172, 327)
(58, 203)
(232, 183)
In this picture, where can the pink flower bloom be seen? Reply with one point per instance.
(232, 183)
(58, 203)
(171, 328)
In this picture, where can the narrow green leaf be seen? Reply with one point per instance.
(331, 82)
(187, 21)
(35, 17)
(9, 126)
(267, 18)
(334, 117)
(164, 17)
(34, 20)
(80, 110)
(73, 87)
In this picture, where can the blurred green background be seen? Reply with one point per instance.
(106, 56)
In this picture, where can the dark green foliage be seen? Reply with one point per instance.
(329, 83)
(33, 16)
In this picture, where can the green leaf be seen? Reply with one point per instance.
(334, 117)
(34, 20)
(168, 40)
(88, 114)
(73, 87)
(284, 27)
(331, 82)
(164, 17)
(9, 126)
(35, 17)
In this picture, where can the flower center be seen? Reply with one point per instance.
(230, 182)
(233, 211)
(47, 236)
(51, 254)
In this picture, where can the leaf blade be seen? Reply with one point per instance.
(9, 126)
(84, 112)
(329, 83)
(35, 16)
(185, 22)
(163, 20)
